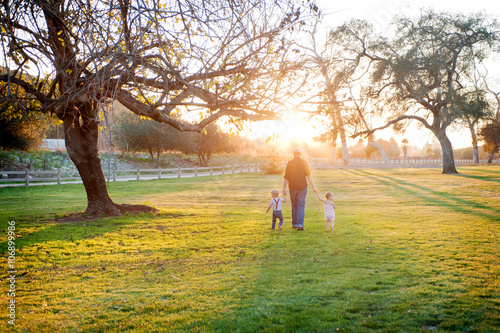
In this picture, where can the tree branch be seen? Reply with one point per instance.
(26, 86)
(392, 122)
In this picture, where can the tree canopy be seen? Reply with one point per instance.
(420, 71)
(201, 60)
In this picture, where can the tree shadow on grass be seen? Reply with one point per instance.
(491, 169)
(483, 178)
(75, 228)
(286, 283)
(439, 198)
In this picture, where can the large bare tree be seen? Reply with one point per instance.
(343, 95)
(202, 60)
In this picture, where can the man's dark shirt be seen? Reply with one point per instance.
(296, 172)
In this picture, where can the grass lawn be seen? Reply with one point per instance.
(413, 251)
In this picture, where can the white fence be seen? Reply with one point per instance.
(410, 161)
(54, 144)
(33, 177)
(322, 162)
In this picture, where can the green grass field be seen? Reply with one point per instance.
(413, 251)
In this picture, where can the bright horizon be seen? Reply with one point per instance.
(297, 128)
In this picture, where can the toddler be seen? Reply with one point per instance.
(276, 205)
(329, 209)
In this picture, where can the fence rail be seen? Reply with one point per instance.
(396, 161)
(39, 177)
(36, 177)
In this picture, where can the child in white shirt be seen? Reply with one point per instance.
(275, 204)
(329, 207)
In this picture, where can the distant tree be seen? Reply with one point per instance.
(390, 147)
(331, 107)
(144, 135)
(473, 107)
(420, 71)
(490, 134)
(405, 148)
(341, 99)
(492, 130)
(212, 141)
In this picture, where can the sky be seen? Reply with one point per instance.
(380, 14)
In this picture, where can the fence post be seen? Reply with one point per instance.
(241, 168)
(196, 171)
(27, 181)
(211, 170)
(223, 169)
(114, 174)
(233, 168)
(179, 173)
(159, 173)
(256, 169)
(59, 177)
(248, 167)
(138, 174)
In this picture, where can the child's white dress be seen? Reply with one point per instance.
(329, 212)
(329, 215)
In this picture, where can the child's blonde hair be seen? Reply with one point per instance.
(329, 195)
(275, 193)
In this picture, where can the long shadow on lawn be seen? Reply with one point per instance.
(495, 171)
(485, 178)
(287, 288)
(429, 195)
(70, 232)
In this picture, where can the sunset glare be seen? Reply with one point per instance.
(295, 127)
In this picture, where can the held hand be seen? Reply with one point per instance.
(315, 190)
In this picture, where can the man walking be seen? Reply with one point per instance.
(296, 175)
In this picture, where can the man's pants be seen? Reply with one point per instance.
(298, 199)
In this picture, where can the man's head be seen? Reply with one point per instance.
(297, 151)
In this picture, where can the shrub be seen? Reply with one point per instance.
(276, 164)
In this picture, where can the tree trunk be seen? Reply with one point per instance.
(158, 153)
(152, 155)
(201, 157)
(475, 148)
(340, 124)
(490, 159)
(334, 136)
(380, 149)
(81, 135)
(475, 154)
(446, 152)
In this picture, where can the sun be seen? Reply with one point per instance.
(294, 127)
(297, 127)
